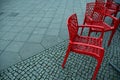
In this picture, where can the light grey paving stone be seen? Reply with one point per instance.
(10, 21)
(15, 29)
(30, 49)
(22, 37)
(42, 25)
(3, 44)
(14, 46)
(1, 34)
(41, 14)
(49, 15)
(0, 52)
(9, 36)
(36, 19)
(32, 23)
(55, 26)
(57, 20)
(27, 30)
(21, 23)
(53, 32)
(46, 20)
(35, 38)
(5, 28)
(39, 31)
(8, 58)
(63, 33)
(26, 18)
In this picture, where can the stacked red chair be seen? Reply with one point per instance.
(84, 44)
(111, 5)
(95, 15)
(112, 8)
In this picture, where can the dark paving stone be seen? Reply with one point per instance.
(30, 49)
(13, 14)
(1, 13)
(8, 59)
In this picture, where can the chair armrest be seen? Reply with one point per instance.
(111, 16)
(115, 20)
(92, 26)
(98, 47)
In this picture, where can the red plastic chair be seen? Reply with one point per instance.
(111, 9)
(111, 5)
(95, 15)
(81, 44)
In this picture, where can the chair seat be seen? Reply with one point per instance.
(87, 40)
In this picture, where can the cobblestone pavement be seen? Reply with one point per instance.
(46, 65)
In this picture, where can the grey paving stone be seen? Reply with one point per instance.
(52, 32)
(46, 20)
(30, 49)
(15, 29)
(3, 44)
(0, 52)
(13, 14)
(8, 59)
(63, 34)
(39, 31)
(1, 34)
(21, 23)
(27, 30)
(35, 38)
(42, 25)
(55, 26)
(22, 37)
(5, 28)
(57, 20)
(1, 13)
(32, 23)
(9, 36)
(14, 46)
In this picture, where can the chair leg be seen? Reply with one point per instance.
(66, 56)
(89, 32)
(81, 31)
(115, 15)
(111, 36)
(84, 21)
(96, 70)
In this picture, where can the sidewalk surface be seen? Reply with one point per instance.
(33, 40)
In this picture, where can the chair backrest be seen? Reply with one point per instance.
(109, 3)
(100, 1)
(96, 11)
(72, 26)
(87, 28)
